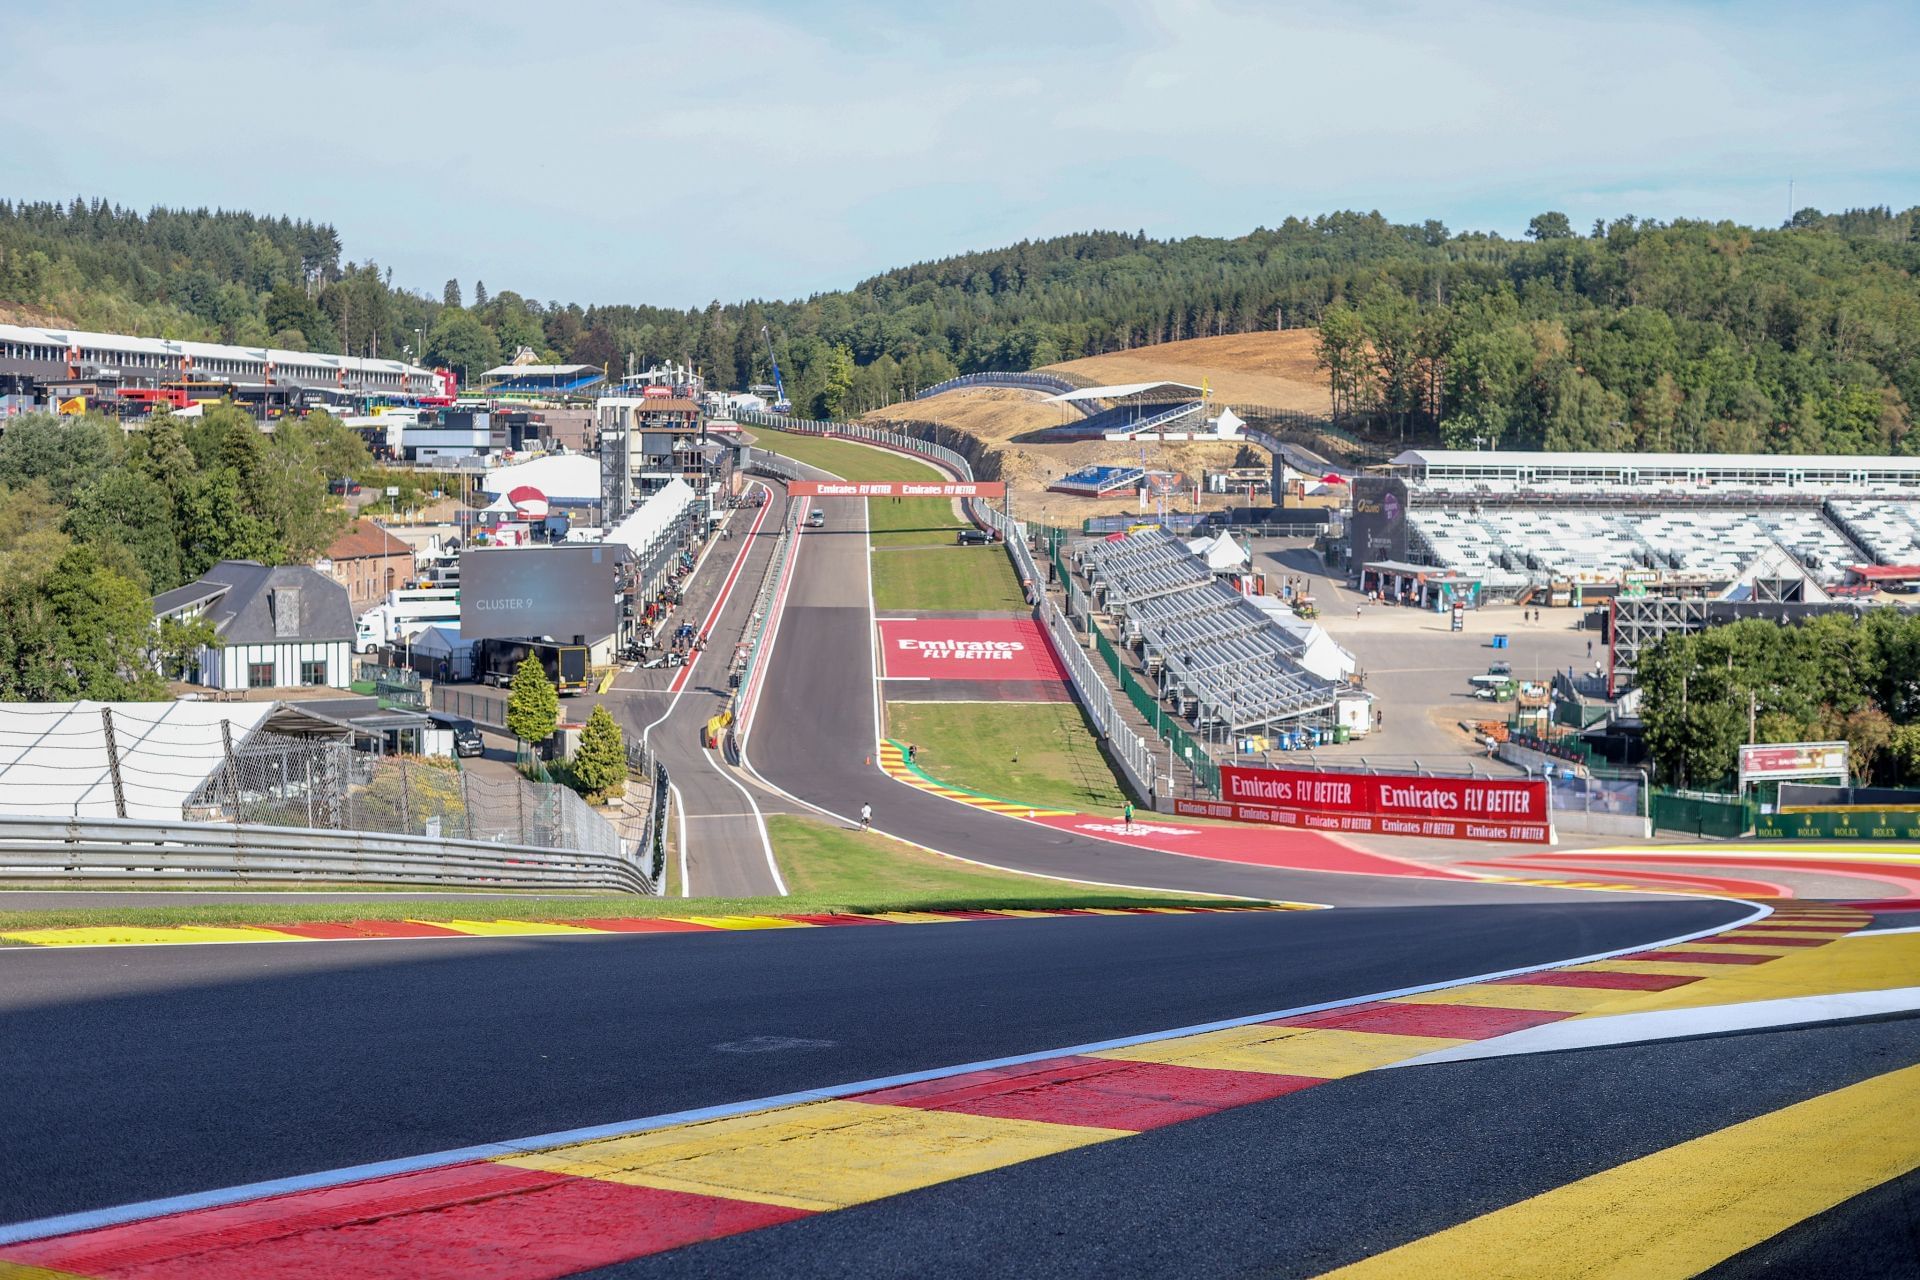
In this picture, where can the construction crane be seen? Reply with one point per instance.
(780, 402)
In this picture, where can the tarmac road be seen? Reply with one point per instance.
(139, 1072)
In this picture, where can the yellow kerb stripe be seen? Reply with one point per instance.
(1678, 1212)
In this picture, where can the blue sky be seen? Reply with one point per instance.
(679, 152)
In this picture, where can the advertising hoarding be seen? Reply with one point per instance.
(515, 592)
(1793, 760)
(1507, 810)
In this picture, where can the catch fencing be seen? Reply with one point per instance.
(279, 780)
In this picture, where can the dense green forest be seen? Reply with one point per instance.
(1830, 679)
(94, 520)
(1637, 335)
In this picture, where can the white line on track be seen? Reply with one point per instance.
(94, 1219)
(1677, 1024)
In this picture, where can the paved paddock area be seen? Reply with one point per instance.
(1419, 667)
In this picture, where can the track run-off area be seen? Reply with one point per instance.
(1688, 1065)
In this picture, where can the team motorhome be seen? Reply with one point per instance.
(405, 612)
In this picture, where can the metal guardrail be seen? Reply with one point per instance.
(180, 852)
(651, 849)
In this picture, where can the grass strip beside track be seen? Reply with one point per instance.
(1040, 753)
(830, 870)
(945, 580)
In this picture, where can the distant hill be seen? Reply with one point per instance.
(1638, 335)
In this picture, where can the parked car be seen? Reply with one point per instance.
(467, 741)
(346, 486)
(973, 537)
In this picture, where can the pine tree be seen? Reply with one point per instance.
(599, 767)
(533, 708)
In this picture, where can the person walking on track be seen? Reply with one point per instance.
(866, 817)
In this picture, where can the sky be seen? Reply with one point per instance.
(679, 152)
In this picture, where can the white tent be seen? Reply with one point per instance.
(654, 516)
(1222, 553)
(569, 477)
(54, 760)
(1227, 425)
(1319, 652)
(445, 644)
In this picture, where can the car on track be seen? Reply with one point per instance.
(817, 519)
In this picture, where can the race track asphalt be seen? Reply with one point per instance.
(139, 1072)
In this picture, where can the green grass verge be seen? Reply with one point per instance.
(946, 579)
(1040, 753)
(846, 459)
(827, 863)
(828, 869)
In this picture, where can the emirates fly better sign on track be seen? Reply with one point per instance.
(1509, 810)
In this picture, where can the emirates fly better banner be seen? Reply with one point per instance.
(1509, 810)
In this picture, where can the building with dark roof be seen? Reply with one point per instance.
(283, 627)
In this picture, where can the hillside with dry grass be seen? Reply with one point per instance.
(1275, 367)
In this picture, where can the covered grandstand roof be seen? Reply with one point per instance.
(1117, 391)
(1644, 461)
(200, 351)
(539, 370)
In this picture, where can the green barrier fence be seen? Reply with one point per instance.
(1840, 824)
(1699, 815)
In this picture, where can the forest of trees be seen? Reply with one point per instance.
(1638, 335)
(94, 521)
(1830, 679)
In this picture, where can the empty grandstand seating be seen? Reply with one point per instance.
(1128, 417)
(1510, 546)
(1888, 531)
(1095, 481)
(1220, 659)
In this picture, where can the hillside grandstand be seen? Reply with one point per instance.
(1692, 522)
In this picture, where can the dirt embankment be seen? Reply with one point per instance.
(1273, 367)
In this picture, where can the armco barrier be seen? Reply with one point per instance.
(181, 852)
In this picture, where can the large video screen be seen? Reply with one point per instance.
(1378, 529)
(563, 592)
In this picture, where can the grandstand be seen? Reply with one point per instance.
(1221, 660)
(540, 379)
(1698, 522)
(1099, 481)
(32, 360)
